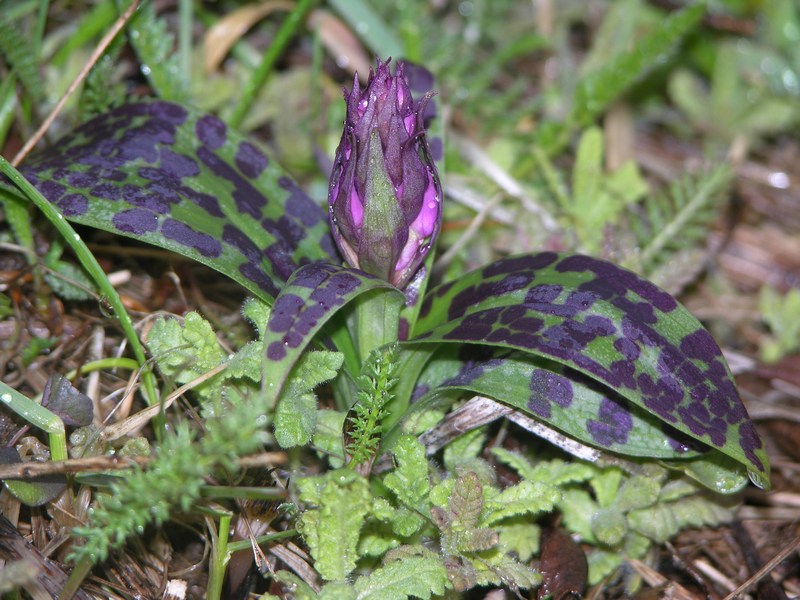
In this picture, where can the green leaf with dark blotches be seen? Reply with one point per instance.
(309, 299)
(615, 334)
(183, 180)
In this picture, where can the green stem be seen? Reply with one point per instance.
(377, 320)
(104, 363)
(76, 577)
(219, 558)
(185, 22)
(243, 492)
(262, 539)
(8, 102)
(282, 38)
(92, 267)
(41, 22)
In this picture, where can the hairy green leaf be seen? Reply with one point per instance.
(184, 352)
(296, 414)
(554, 472)
(154, 45)
(414, 576)
(526, 497)
(342, 501)
(409, 481)
(19, 51)
(677, 219)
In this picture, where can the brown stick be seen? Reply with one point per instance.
(111, 463)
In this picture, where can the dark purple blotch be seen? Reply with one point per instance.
(700, 345)
(205, 201)
(613, 424)
(527, 262)
(280, 257)
(620, 280)
(79, 179)
(178, 165)
(236, 237)
(52, 190)
(300, 205)
(471, 296)
(750, 442)
(546, 293)
(183, 234)
(313, 276)
(696, 417)
(169, 111)
(250, 160)
(248, 199)
(546, 388)
(276, 351)
(107, 191)
(136, 221)
(211, 131)
(284, 312)
(73, 205)
(257, 275)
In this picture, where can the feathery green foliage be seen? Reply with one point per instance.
(19, 50)
(679, 218)
(155, 47)
(375, 383)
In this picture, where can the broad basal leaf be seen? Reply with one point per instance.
(571, 402)
(184, 181)
(609, 324)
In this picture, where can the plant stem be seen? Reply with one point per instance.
(282, 37)
(104, 363)
(377, 320)
(262, 539)
(185, 21)
(219, 558)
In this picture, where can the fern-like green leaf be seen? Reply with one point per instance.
(676, 221)
(597, 90)
(19, 52)
(155, 47)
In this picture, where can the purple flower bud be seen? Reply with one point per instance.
(385, 199)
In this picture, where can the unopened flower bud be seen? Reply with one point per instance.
(385, 199)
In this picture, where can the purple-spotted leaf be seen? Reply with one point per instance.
(184, 181)
(586, 411)
(570, 402)
(610, 325)
(313, 294)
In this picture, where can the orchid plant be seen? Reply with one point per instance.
(583, 346)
